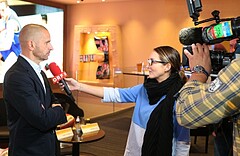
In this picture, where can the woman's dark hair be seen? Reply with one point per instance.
(172, 56)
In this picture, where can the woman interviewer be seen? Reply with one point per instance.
(154, 130)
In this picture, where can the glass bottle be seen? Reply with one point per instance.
(77, 125)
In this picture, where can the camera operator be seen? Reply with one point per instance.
(222, 131)
(200, 103)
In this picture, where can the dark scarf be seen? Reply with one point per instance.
(159, 132)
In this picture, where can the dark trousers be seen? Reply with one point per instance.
(223, 142)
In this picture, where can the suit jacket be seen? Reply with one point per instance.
(31, 119)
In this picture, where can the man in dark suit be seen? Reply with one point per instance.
(32, 112)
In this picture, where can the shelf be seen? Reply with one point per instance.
(97, 83)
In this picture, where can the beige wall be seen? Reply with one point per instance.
(144, 24)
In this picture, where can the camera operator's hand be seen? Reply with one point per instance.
(201, 57)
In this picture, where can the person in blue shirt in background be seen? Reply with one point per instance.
(154, 129)
(9, 31)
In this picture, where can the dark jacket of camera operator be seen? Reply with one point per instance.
(200, 103)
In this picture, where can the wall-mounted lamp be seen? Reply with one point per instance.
(78, 1)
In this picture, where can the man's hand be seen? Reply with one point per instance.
(56, 105)
(200, 56)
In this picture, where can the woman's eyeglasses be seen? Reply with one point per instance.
(152, 61)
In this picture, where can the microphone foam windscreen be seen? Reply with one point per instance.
(188, 36)
(54, 68)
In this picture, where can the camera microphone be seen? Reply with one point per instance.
(188, 36)
(59, 77)
(212, 34)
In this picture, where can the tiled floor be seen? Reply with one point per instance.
(198, 149)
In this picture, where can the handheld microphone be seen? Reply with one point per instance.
(59, 77)
(212, 34)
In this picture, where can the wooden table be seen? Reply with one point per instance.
(79, 139)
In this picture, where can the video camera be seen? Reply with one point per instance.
(219, 59)
(222, 30)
